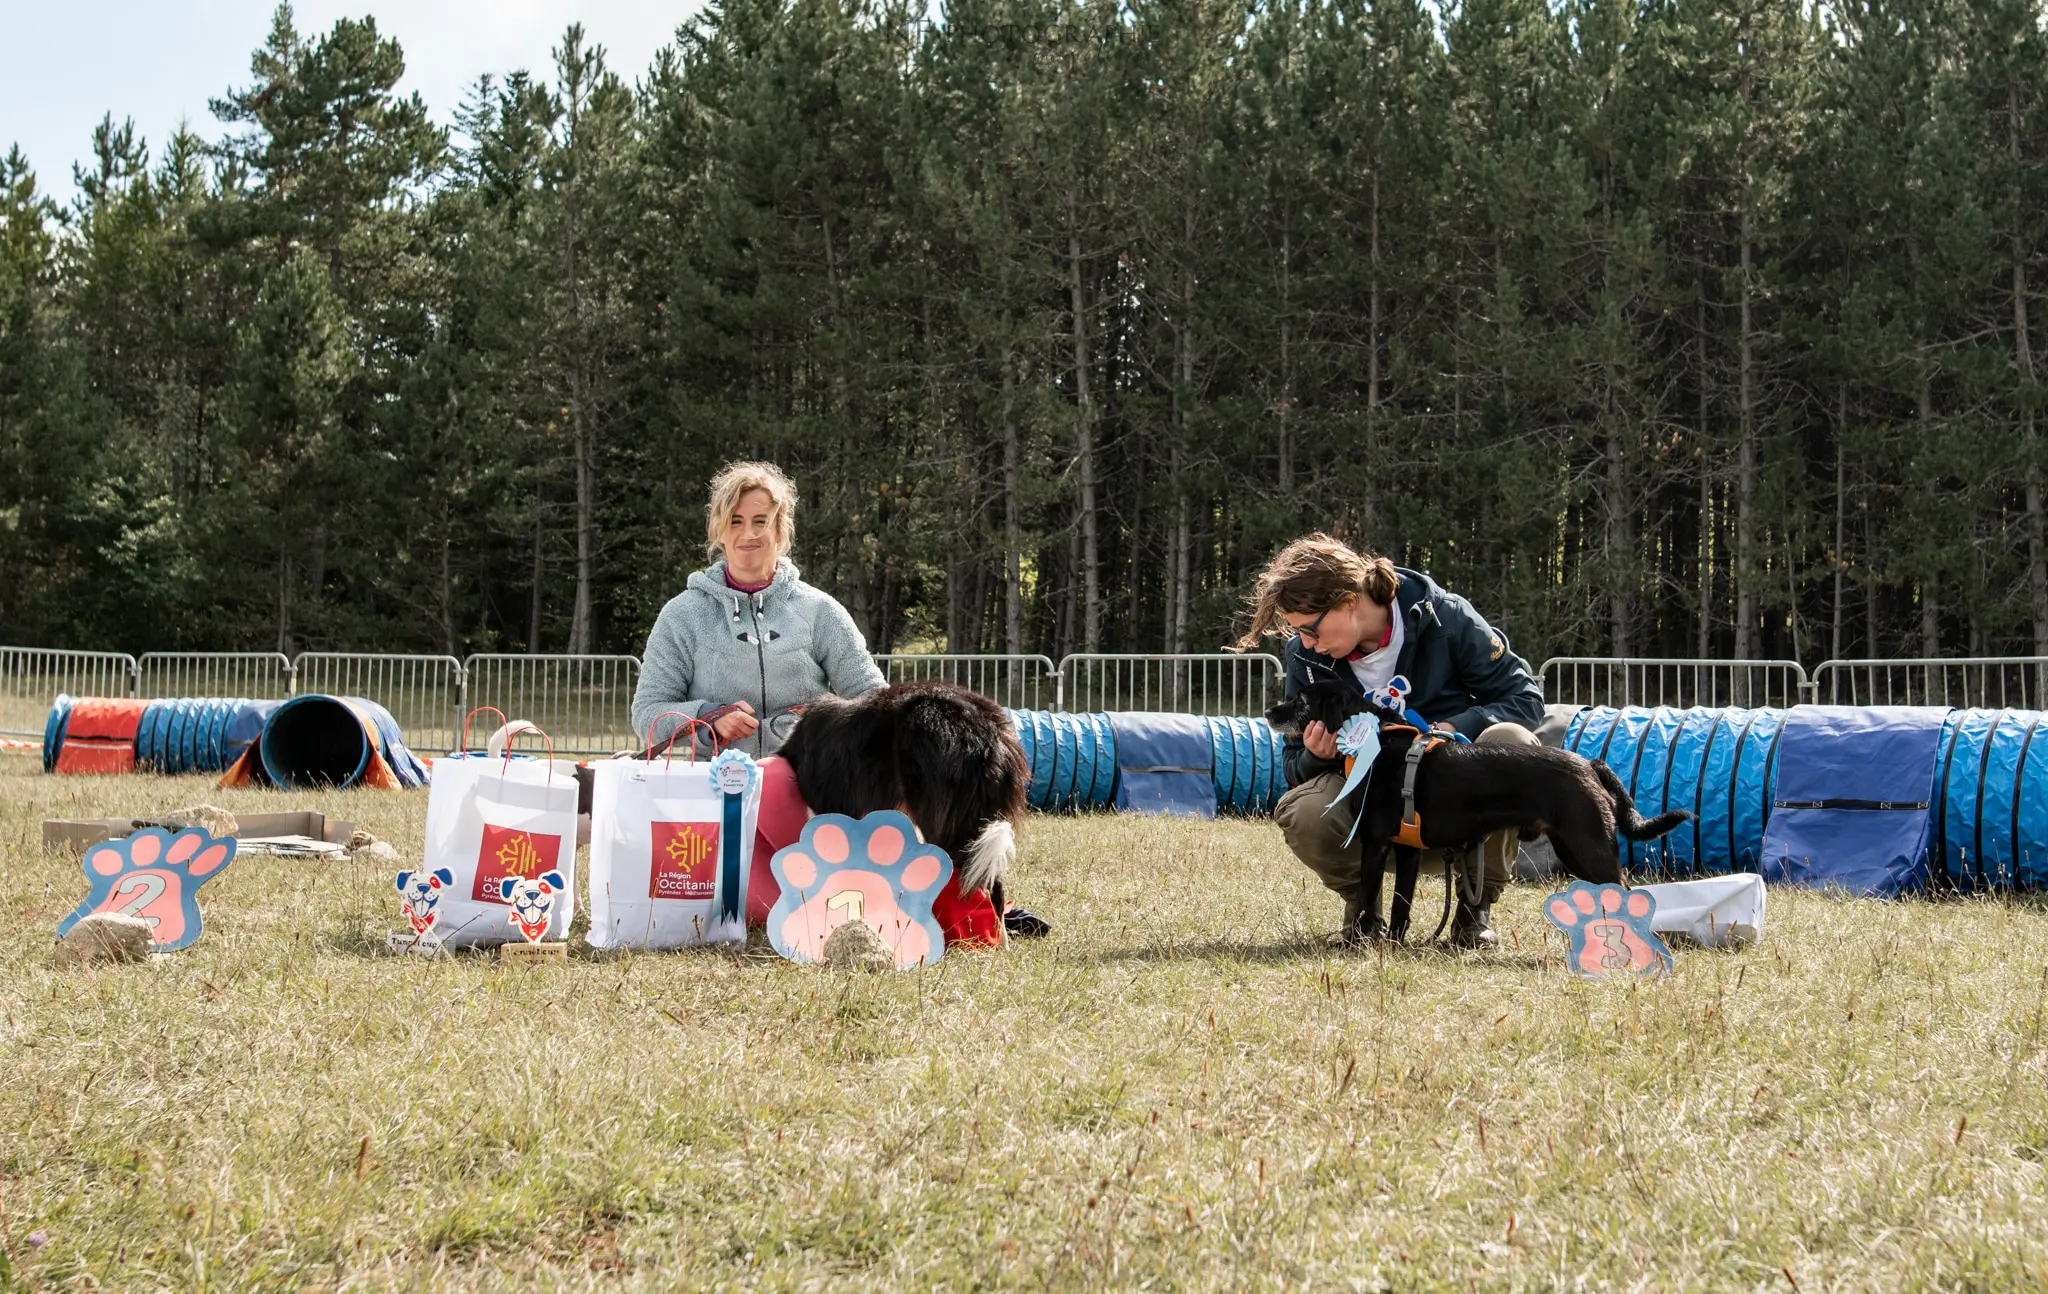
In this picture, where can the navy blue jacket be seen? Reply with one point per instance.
(1459, 667)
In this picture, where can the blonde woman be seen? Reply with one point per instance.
(747, 644)
(1359, 618)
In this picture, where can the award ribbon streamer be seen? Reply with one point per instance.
(729, 898)
(1359, 742)
(732, 773)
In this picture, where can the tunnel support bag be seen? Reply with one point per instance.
(1853, 808)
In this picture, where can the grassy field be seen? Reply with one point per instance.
(1186, 1088)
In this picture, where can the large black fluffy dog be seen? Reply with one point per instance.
(1464, 793)
(945, 755)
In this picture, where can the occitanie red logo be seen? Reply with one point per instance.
(507, 852)
(685, 860)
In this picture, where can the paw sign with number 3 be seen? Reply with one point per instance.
(1609, 930)
(154, 875)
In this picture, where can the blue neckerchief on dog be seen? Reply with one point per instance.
(1359, 742)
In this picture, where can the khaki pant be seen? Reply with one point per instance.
(1317, 838)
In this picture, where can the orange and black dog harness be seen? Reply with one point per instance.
(1410, 833)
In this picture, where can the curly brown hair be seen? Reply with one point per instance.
(1310, 576)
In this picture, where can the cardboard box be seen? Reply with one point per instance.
(78, 834)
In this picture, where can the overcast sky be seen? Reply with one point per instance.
(159, 61)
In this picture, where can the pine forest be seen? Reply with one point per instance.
(1653, 327)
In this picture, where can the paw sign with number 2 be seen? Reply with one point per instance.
(154, 875)
(1609, 930)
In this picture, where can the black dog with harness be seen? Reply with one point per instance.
(1427, 792)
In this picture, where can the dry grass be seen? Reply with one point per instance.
(1185, 1088)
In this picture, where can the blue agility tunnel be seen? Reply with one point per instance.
(196, 735)
(337, 741)
(1150, 762)
(1072, 758)
(307, 740)
(1718, 765)
(1878, 801)
(1991, 821)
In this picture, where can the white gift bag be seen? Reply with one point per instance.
(670, 852)
(671, 849)
(1718, 912)
(490, 819)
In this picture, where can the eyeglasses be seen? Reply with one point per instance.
(1314, 628)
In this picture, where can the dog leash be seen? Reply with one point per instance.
(1450, 888)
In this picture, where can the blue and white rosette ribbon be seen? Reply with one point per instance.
(734, 777)
(1359, 741)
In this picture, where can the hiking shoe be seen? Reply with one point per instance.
(1019, 923)
(1473, 928)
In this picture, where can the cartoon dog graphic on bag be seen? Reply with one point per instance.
(533, 902)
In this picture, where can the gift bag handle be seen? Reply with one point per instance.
(466, 719)
(690, 725)
(511, 730)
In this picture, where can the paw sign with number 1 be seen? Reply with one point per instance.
(154, 875)
(871, 869)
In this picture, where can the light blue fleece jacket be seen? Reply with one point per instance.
(784, 646)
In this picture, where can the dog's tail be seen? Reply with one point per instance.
(1630, 823)
(989, 857)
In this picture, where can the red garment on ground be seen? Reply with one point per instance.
(968, 919)
(100, 735)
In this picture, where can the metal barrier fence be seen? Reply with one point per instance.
(1615, 680)
(584, 703)
(1020, 682)
(257, 675)
(31, 677)
(1220, 683)
(424, 693)
(1986, 682)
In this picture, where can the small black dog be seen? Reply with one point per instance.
(1464, 793)
(945, 755)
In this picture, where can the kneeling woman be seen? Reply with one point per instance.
(1357, 617)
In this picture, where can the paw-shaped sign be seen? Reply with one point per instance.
(419, 893)
(532, 900)
(154, 875)
(871, 869)
(1609, 930)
